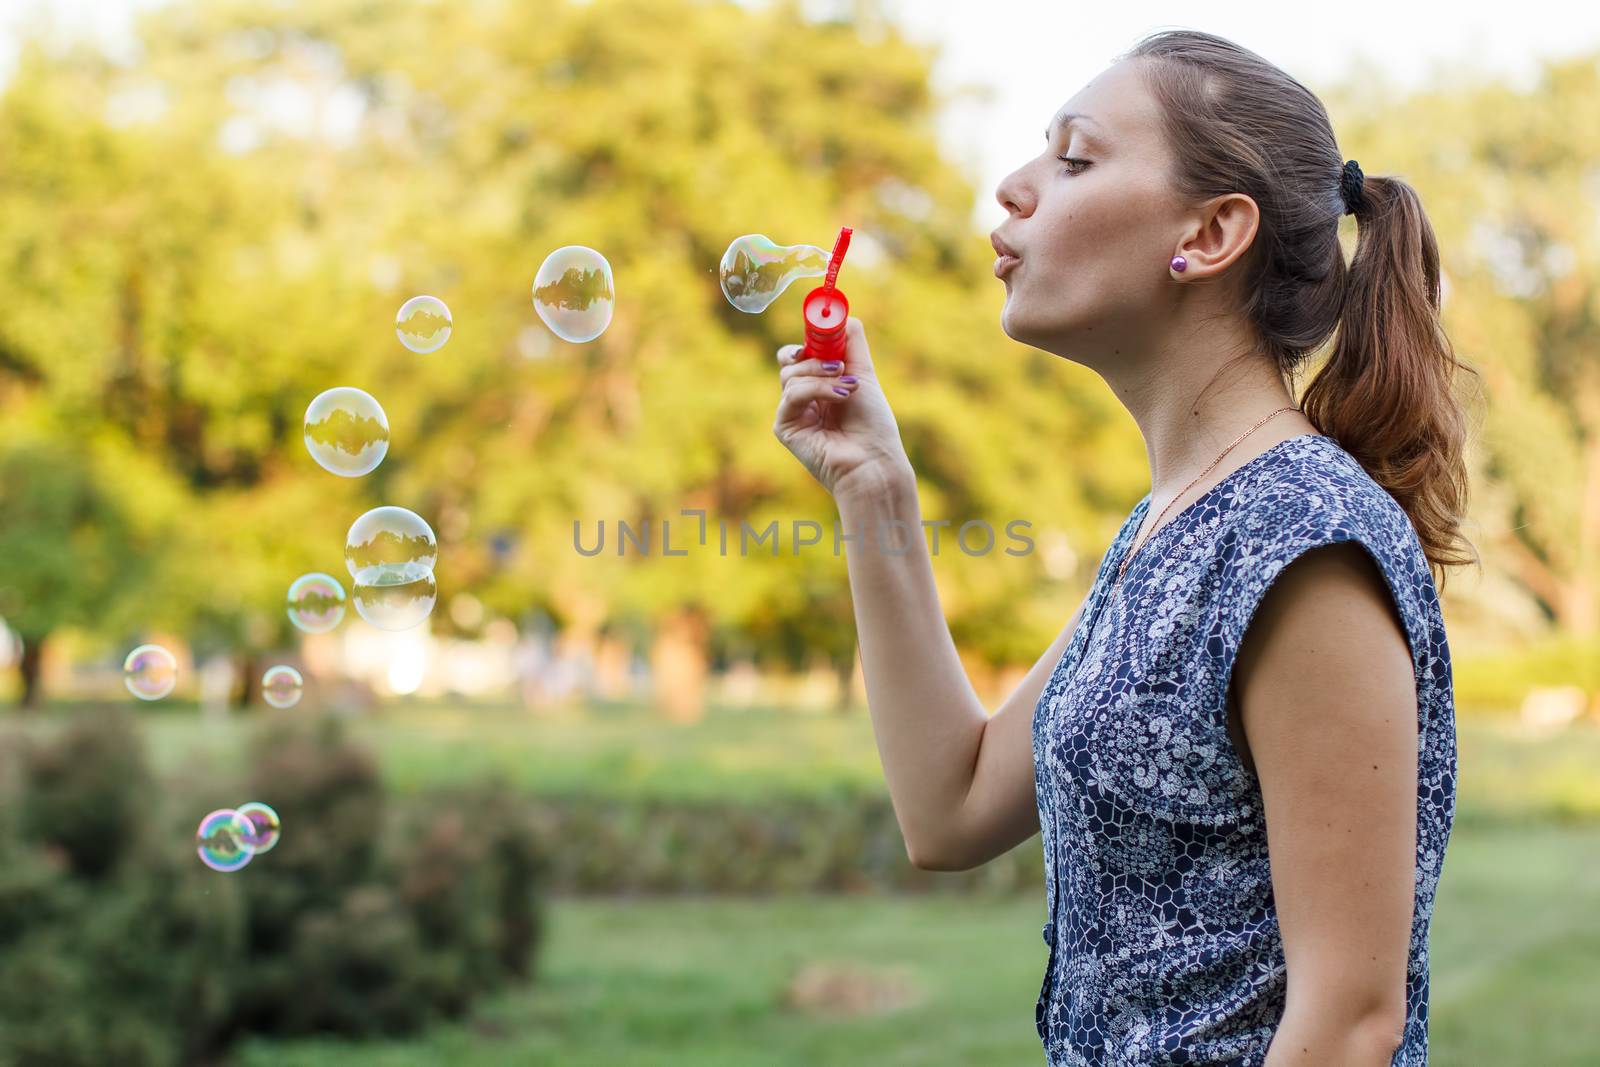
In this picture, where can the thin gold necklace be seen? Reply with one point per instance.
(1129, 557)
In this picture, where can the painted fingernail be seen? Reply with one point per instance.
(841, 392)
(851, 378)
(832, 364)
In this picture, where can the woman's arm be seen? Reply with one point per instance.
(1328, 705)
(961, 782)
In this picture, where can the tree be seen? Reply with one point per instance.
(73, 550)
(205, 236)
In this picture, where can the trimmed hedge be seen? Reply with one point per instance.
(845, 841)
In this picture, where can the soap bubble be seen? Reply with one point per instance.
(281, 686)
(150, 672)
(265, 826)
(423, 324)
(574, 294)
(346, 432)
(316, 602)
(222, 840)
(397, 604)
(755, 270)
(389, 546)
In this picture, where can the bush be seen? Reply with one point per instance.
(844, 841)
(118, 946)
(111, 949)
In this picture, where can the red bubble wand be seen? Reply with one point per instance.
(826, 310)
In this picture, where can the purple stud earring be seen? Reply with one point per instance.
(1180, 264)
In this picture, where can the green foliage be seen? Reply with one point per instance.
(114, 951)
(183, 301)
(74, 544)
(135, 953)
(85, 796)
(1498, 682)
(188, 269)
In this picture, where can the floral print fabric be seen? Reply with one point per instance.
(1163, 935)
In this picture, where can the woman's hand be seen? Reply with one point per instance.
(836, 420)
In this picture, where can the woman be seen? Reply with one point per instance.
(1243, 825)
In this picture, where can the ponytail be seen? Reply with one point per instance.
(1386, 393)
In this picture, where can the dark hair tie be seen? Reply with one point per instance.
(1350, 180)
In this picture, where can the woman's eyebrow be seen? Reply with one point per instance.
(1066, 119)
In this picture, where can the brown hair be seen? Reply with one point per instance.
(1236, 123)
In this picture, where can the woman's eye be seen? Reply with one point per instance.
(1082, 164)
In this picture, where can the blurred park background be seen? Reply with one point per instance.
(627, 808)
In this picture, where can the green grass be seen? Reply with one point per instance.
(1515, 962)
(623, 749)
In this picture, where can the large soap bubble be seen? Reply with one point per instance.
(266, 826)
(396, 605)
(281, 686)
(574, 293)
(423, 324)
(346, 431)
(222, 840)
(150, 672)
(755, 270)
(389, 546)
(316, 602)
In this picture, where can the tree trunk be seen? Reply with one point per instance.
(846, 666)
(29, 666)
(678, 664)
(612, 659)
(247, 685)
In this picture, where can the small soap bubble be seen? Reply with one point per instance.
(346, 432)
(574, 294)
(423, 324)
(265, 826)
(390, 546)
(755, 271)
(316, 602)
(281, 686)
(396, 605)
(150, 672)
(222, 840)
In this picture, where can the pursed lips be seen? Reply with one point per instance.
(1007, 257)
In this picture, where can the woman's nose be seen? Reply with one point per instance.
(1013, 195)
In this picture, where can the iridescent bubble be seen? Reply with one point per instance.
(399, 604)
(150, 672)
(423, 324)
(389, 546)
(281, 686)
(574, 294)
(265, 826)
(755, 270)
(222, 840)
(316, 602)
(346, 432)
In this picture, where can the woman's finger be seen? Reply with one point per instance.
(800, 393)
(814, 367)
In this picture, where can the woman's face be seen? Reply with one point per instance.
(1092, 236)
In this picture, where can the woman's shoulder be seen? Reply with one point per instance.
(1319, 494)
(1317, 489)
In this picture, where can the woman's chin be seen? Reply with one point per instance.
(1014, 325)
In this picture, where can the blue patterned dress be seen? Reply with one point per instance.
(1163, 933)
